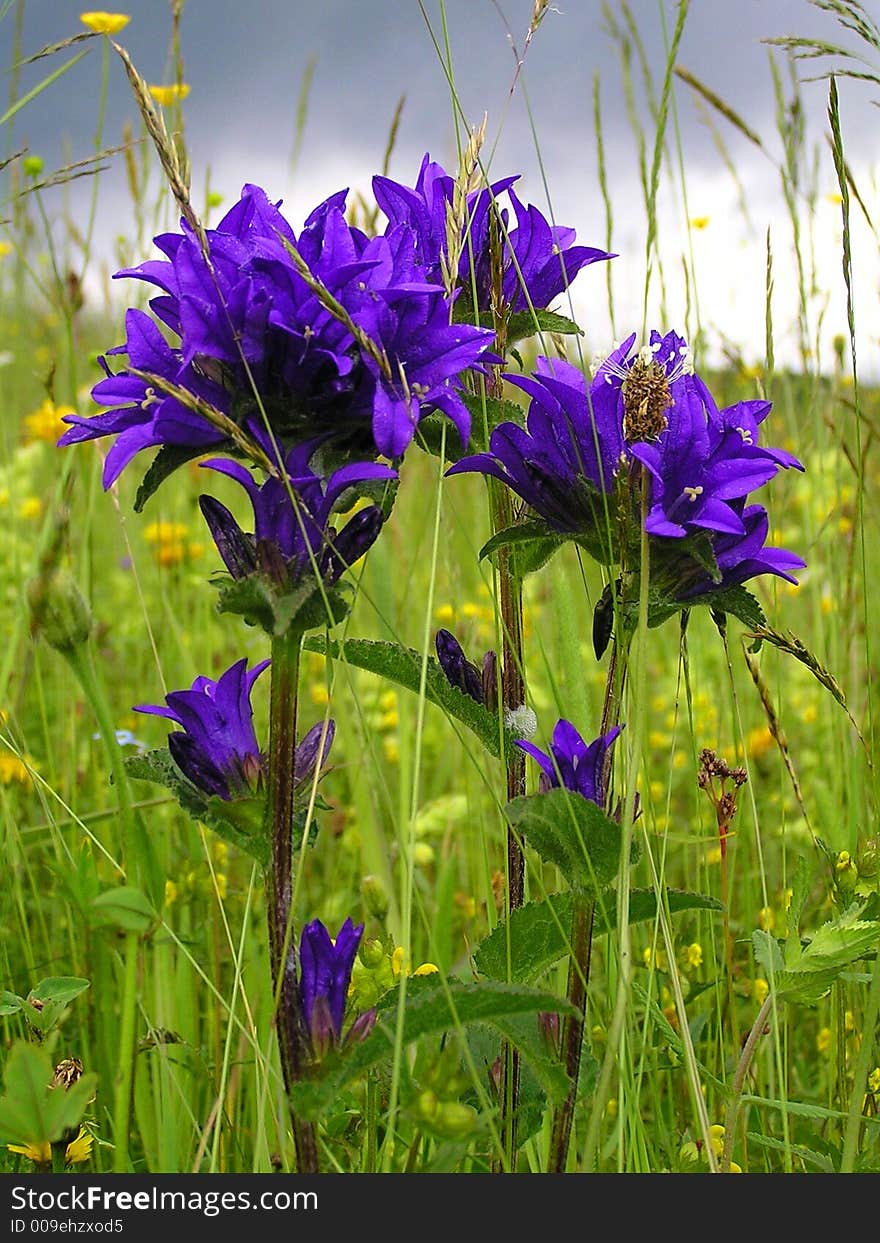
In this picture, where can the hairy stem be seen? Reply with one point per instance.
(279, 811)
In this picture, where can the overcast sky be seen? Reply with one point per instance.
(245, 63)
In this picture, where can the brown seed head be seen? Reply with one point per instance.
(646, 398)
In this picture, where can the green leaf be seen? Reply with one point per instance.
(403, 666)
(431, 1006)
(522, 324)
(261, 602)
(532, 544)
(10, 1003)
(525, 1034)
(239, 821)
(808, 1155)
(736, 601)
(31, 1112)
(807, 973)
(165, 463)
(540, 931)
(58, 988)
(123, 907)
(572, 832)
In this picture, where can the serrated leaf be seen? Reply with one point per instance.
(540, 931)
(531, 546)
(123, 907)
(31, 1112)
(522, 324)
(768, 954)
(430, 1007)
(10, 1003)
(808, 1155)
(165, 463)
(572, 832)
(238, 821)
(403, 666)
(808, 972)
(525, 1034)
(737, 601)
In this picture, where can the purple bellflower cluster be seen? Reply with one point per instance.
(538, 260)
(577, 461)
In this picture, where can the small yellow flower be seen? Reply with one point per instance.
(163, 532)
(427, 968)
(760, 989)
(30, 508)
(397, 961)
(220, 878)
(170, 554)
(766, 918)
(319, 694)
(388, 700)
(823, 1040)
(45, 423)
(105, 23)
(759, 742)
(834, 198)
(168, 95)
(444, 613)
(611, 1107)
(734, 1168)
(195, 550)
(423, 855)
(716, 1139)
(14, 769)
(713, 855)
(391, 747)
(5, 249)
(77, 1151)
(699, 222)
(389, 720)
(874, 1080)
(171, 892)
(694, 955)
(849, 1022)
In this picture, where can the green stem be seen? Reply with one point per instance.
(136, 857)
(513, 694)
(581, 940)
(860, 1075)
(739, 1079)
(123, 1088)
(292, 1039)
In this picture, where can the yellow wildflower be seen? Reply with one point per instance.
(734, 1168)
(849, 1022)
(444, 613)
(45, 422)
(171, 892)
(699, 222)
(14, 769)
(5, 249)
(195, 549)
(168, 95)
(391, 747)
(423, 855)
(388, 700)
(77, 1151)
(163, 532)
(694, 955)
(30, 507)
(319, 694)
(713, 855)
(766, 918)
(833, 198)
(716, 1139)
(823, 1040)
(427, 968)
(170, 554)
(397, 960)
(760, 989)
(611, 1107)
(874, 1080)
(759, 742)
(105, 23)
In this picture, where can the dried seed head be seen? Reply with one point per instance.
(67, 1073)
(646, 398)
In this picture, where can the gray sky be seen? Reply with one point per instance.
(245, 65)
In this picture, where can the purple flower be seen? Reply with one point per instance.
(324, 974)
(741, 557)
(218, 749)
(293, 537)
(567, 455)
(572, 763)
(539, 260)
(255, 336)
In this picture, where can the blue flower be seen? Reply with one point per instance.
(218, 749)
(741, 557)
(325, 968)
(258, 336)
(572, 763)
(539, 260)
(459, 671)
(293, 537)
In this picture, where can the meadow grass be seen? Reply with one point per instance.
(413, 803)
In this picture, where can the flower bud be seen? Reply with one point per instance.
(372, 953)
(59, 610)
(427, 1105)
(868, 859)
(454, 1120)
(374, 896)
(361, 1027)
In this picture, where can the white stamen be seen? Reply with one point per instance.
(746, 435)
(693, 493)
